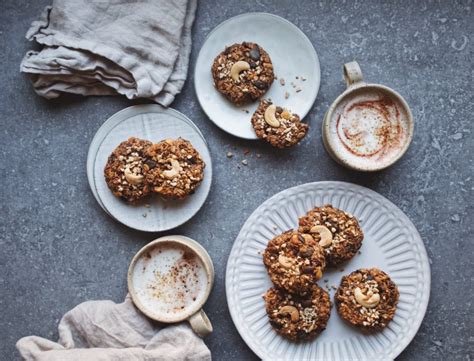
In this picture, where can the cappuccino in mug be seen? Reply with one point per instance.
(170, 279)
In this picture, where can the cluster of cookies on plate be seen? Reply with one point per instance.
(297, 307)
(172, 168)
(243, 73)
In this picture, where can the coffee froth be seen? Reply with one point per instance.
(170, 279)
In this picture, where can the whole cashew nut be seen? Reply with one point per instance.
(324, 233)
(131, 177)
(270, 117)
(237, 68)
(368, 301)
(284, 261)
(174, 171)
(292, 311)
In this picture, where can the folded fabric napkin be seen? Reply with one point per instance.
(138, 48)
(104, 330)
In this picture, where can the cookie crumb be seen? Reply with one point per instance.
(282, 82)
(303, 78)
(287, 95)
(298, 89)
(244, 162)
(229, 154)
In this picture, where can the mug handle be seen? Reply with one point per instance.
(200, 323)
(352, 73)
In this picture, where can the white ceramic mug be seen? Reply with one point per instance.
(194, 315)
(355, 86)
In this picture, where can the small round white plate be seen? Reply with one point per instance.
(391, 243)
(292, 56)
(154, 123)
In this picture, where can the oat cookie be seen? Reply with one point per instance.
(125, 170)
(367, 298)
(294, 261)
(336, 231)
(175, 168)
(298, 318)
(243, 72)
(278, 126)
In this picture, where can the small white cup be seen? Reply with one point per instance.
(194, 315)
(355, 84)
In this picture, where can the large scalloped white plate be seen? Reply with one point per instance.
(391, 243)
(292, 55)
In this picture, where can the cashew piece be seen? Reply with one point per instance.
(366, 300)
(131, 177)
(174, 171)
(237, 68)
(292, 311)
(285, 114)
(284, 261)
(324, 233)
(270, 117)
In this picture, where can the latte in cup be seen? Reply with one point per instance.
(170, 279)
(369, 129)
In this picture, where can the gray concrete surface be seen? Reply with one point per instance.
(58, 248)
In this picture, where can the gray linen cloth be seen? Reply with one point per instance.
(106, 331)
(138, 48)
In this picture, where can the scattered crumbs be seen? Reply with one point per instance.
(326, 280)
(293, 85)
(246, 151)
(287, 95)
(282, 81)
(303, 78)
(298, 89)
(341, 270)
(359, 252)
(245, 110)
(144, 215)
(275, 228)
(238, 167)
(297, 77)
(229, 154)
(244, 162)
(334, 287)
(456, 218)
(147, 205)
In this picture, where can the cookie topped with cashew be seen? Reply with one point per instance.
(298, 318)
(243, 72)
(278, 126)
(175, 168)
(338, 232)
(367, 298)
(126, 168)
(294, 261)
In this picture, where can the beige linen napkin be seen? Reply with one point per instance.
(104, 330)
(138, 48)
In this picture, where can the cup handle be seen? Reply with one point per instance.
(352, 73)
(200, 323)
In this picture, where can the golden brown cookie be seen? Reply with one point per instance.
(278, 126)
(298, 318)
(367, 298)
(176, 169)
(294, 261)
(336, 231)
(125, 172)
(242, 72)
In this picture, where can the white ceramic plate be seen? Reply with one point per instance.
(391, 243)
(154, 123)
(292, 55)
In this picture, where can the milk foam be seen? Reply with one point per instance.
(169, 279)
(368, 130)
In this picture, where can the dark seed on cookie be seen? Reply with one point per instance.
(255, 54)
